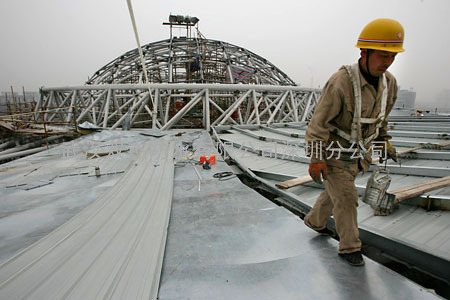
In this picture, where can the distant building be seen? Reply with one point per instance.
(443, 100)
(405, 100)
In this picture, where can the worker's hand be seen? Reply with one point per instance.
(391, 153)
(317, 171)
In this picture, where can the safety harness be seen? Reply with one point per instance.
(355, 137)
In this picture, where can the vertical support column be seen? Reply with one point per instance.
(168, 102)
(206, 112)
(116, 104)
(108, 100)
(156, 105)
(230, 73)
(248, 109)
(72, 103)
(294, 106)
(160, 106)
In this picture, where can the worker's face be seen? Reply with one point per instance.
(379, 61)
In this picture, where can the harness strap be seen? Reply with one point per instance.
(355, 135)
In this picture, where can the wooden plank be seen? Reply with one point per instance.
(419, 189)
(410, 150)
(443, 144)
(420, 185)
(294, 182)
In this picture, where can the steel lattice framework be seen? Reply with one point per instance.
(112, 105)
(193, 82)
(189, 60)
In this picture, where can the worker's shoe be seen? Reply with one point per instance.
(324, 231)
(354, 258)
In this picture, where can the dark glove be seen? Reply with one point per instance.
(317, 171)
(391, 153)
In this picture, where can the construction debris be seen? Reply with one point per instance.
(87, 128)
(6, 127)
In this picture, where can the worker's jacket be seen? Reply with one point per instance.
(336, 107)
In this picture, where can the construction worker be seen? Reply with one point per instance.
(418, 113)
(351, 117)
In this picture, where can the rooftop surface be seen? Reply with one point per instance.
(271, 154)
(224, 240)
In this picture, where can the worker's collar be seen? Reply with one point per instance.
(367, 78)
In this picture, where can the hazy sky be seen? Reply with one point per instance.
(63, 42)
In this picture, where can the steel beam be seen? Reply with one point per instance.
(254, 104)
(425, 135)
(105, 114)
(402, 126)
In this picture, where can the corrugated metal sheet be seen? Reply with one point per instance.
(113, 249)
(28, 215)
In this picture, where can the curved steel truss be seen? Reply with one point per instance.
(189, 60)
(167, 105)
(193, 82)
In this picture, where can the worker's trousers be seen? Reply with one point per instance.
(340, 199)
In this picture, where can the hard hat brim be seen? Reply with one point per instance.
(395, 49)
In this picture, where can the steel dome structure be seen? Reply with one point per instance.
(191, 60)
(185, 82)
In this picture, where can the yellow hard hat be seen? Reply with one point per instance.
(382, 34)
(419, 110)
